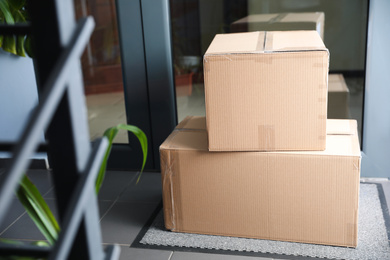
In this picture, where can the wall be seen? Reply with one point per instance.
(376, 128)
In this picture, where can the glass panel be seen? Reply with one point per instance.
(341, 24)
(102, 70)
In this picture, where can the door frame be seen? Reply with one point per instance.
(145, 41)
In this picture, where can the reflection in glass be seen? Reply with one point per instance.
(341, 24)
(102, 71)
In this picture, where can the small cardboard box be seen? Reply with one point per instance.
(281, 22)
(309, 197)
(266, 91)
(338, 97)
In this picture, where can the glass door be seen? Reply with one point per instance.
(128, 76)
(341, 24)
(102, 71)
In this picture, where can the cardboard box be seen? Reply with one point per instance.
(266, 91)
(338, 97)
(309, 197)
(281, 22)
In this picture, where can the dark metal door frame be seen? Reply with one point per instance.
(145, 40)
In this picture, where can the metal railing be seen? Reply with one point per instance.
(74, 162)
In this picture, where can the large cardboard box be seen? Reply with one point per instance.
(338, 97)
(266, 91)
(309, 197)
(281, 22)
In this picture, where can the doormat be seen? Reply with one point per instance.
(373, 237)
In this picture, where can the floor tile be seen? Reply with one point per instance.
(104, 206)
(24, 228)
(147, 190)
(115, 182)
(16, 210)
(41, 179)
(207, 256)
(123, 222)
(143, 254)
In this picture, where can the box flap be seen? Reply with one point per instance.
(192, 123)
(336, 83)
(247, 42)
(301, 17)
(293, 41)
(341, 127)
(186, 140)
(341, 140)
(258, 42)
(281, 17)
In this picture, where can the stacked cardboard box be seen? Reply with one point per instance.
(266, 91)
(231, 174)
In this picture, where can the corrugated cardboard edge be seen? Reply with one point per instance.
(184, 122)
(264, 45)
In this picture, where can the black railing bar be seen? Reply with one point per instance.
(23, 250)
(15, 29)
(84, 190)
(51, 96)
(112, 252)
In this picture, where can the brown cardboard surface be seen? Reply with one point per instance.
(338, 97)
(309, 197)
(281, 22)
(271, 98)
(192, 123)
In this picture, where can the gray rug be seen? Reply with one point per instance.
(373, 240)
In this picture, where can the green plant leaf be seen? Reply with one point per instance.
(9, 44)
(110, 133)
(1, 40)
(19, 18)
(20, 243)
(142, 140)
(20, 46)
(41, 243)
(27, 46)
(5, 9)
(17, 4)
(38, 210)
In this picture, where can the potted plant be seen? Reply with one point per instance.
(183, 79)
(39, 211)
(18, 92)
(13, 12)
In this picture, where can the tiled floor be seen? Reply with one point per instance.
(124, 209)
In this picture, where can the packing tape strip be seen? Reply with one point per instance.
(277, 18)
(167, 172)
(268, 42)
(261, 42)
(266, 136)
